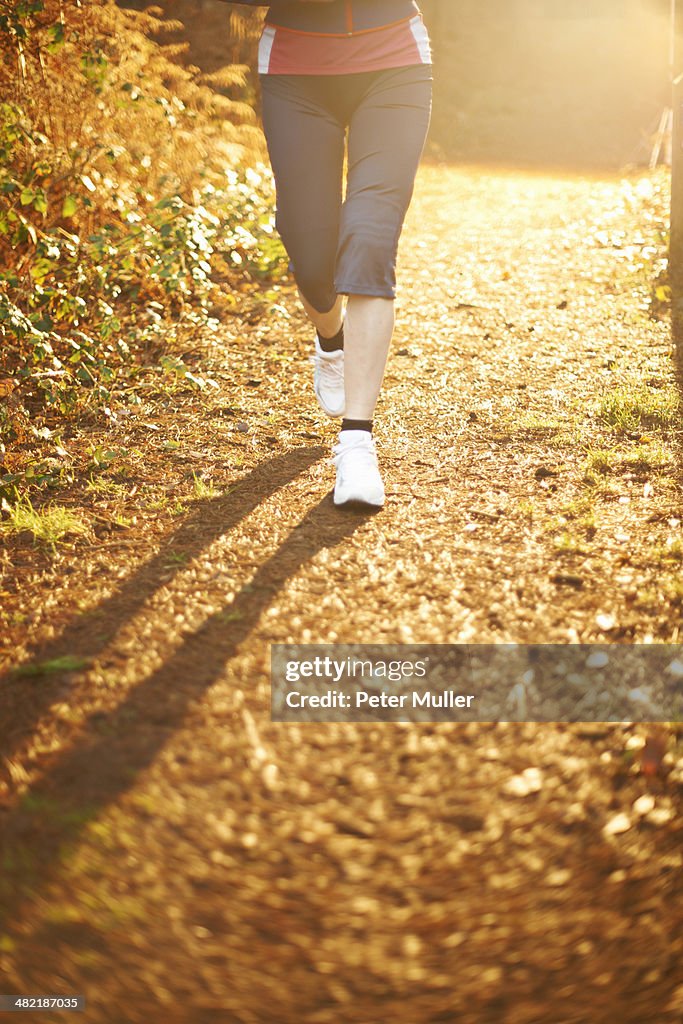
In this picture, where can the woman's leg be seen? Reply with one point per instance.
(367, 336)
(386, 137)
(306, 148)
(326, 324)
(306, 136)
(387, 131)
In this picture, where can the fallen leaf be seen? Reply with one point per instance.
(617, 825)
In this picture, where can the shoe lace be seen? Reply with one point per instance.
(365, 453)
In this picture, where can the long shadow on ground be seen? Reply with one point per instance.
(117, 747)
(25, 696)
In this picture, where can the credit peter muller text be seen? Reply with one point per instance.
(362, 699)
(476, 682)
(367, 683)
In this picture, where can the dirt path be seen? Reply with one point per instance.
(175, 856)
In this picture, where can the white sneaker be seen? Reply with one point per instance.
(328, 380)
(358, 477)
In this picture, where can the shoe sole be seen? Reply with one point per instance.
(354, 505)
(353, 501)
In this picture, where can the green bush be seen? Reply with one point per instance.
(121, 204)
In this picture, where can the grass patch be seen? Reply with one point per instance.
(49, 525)
(174, 558)
(106, 486)
(579, 509)
(536, 423)
(160, 504)
(643, 460)
(573, 526)
(647, 457)
(527, 509)
(638, 408)
(204, 489)
(671, 551)
(599, 463)
(569, 436)
(568, 543)
(125, 522)
(67, 663)
(668, 589)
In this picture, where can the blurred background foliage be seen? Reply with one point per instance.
(132, 196)
(565, 83)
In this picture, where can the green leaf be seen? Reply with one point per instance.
(56, 34)
(69, 206)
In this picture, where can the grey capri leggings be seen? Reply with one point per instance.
(345, 248)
